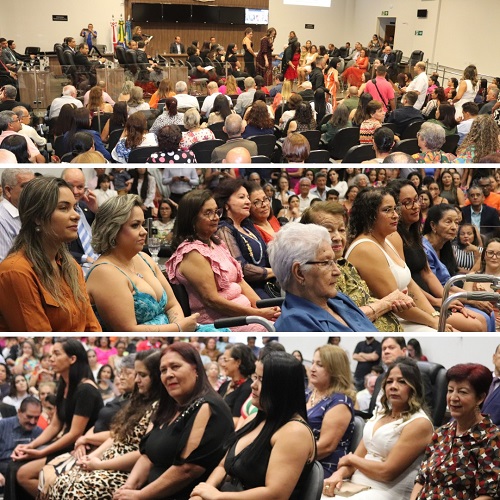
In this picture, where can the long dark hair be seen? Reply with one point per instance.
(282, 397)
(129, 416)
(221, 105)
(446, 255)
(120, 114)
(145, 183)
(64, 120)
(78, 371)
(167, 406)
(319, 104)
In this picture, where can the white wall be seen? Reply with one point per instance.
(29, 22)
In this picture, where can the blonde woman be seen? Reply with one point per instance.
(165, 89)
(96, 102)
(283, 96)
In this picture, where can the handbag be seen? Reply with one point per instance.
(349, 489)
(273, 289)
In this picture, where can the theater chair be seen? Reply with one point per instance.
(437, 377)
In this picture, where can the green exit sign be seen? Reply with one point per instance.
(419, 33)
(385, 12)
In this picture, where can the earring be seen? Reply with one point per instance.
(38, 229)
(113, 243)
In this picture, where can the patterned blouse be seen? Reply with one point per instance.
(351, 284)
(461, 467)
(431, 157)
(192, 136)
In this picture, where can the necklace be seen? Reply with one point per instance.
(250, 250)
(132, 271)
(316, 396)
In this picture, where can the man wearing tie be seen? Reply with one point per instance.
(86, 201)
(176, 47)
(491, 405)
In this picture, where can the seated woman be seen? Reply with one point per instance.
(194, 132)
(393, 443)
(196, 63)
(374, 117)
(258, 120)
(239, 366)
(203, 264)
(333, 217)
(302, 120)
(470, 468)
(98, 473)
(383, 142)
(135, 135)
(235, 70)
(103, 192)
(127, 289)
(296, 149)
(96, 102)
(449, 191)
(231, 86)
(291, 212)
(372, 220)
(261, 213)
(431, 138)
(18, 391)
(273, 453)
(304, 263)
(330, 405)
(190, 427)
(78, 405)
(41, 286)
(170, 116)
(136, 102)
(238, 232)
(220, 110)
(408, 239)
(169, 138)
(353, 74)
(482, 140)
(445, 117)
(165, 90)
(440, 229)
(167, 212)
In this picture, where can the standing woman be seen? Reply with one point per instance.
(78, 403)
(330, 405)
(240, 365)
(290, 72)
(249, 54)
(264, 59)
(467, 90)
(332, 80)
(41, 286)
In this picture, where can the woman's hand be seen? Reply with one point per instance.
(80, 451)
(125, 494)
(189, 323)
(483, 306)
(270, 313)
(346, 460)
(27, 454)
(205, 491)
(334, 481)
(90, 463)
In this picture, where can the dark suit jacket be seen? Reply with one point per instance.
(402, 117)
(391, 61)
(491, 406)
(173, 48)
(75, 247)
(82, 60)
(10, 104)
(316, 78)
(7, 410)
(489, 218)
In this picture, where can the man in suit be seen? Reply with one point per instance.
(176, 47)
(407, 114)
(12, 47)
(69, 43)
(84, 65)
(491, 405)
(86, 207)
(7, 76)
(389, 61)
(7, 56)
(482, 216)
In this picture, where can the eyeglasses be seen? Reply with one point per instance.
(225, 360)
(410, 203)
(491, 254)
(389, 210)
(213, 214)
(327, 264)
(259, 203)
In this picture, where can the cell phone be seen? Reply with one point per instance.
(86, 191)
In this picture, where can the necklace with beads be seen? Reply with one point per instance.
(316, 397)
(249, 247)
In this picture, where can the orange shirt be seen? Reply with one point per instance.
(27, 306)
(492, 201)
(153, 102)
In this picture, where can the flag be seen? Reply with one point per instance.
(113, 31)
(128, 30)
(121, 32)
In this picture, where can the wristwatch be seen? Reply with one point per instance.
(435, 314)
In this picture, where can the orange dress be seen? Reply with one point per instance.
(331, 85)
(353, 75)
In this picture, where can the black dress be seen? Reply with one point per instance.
(164, 445)
(236, 398)
(249, 60)
(416, 260)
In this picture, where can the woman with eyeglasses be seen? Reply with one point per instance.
(238, 232)
(374, 217)
(409, 238)
(304, 262)
(202, 263)
(261, 213)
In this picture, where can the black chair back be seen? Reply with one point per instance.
(114, 137)
(392, 126)
(416, 56)
(31, 50)
(313, 136)
(203, 150)
(343, 52)
(265, 143)
(132, 63)
(216, 128)
(342, 141)
(373, 55)
(120, 55)
(98, 121)
(58, 49)
(451, 143)
(140, 155)
(260, 159)
(318, 156)
(313, 485)
(359, 153)
(410, 132)
(408, 146)
(434, 374)
(324, 121)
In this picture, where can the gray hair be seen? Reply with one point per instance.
(180, 87)
(192, 118)
(9, 176)
(19, 110)
(249, 82)
(69, 90)
(10, 91)
(357, 178)
(136, 97)
(6, 119)
(295, 243)
(303, 179)
(128, 362)
(433, 135)
(233, 124)
(399, 157)
(109, 219)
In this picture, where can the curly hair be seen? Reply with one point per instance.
(482, 138)
(135, 128)
(364, 211)
(169, 138)
(304, 115)
(258, 116)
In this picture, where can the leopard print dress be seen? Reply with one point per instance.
(100, 484)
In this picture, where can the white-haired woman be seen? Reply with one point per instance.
(194, 132)
(304, 264)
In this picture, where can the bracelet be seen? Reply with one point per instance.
(373, 310)
(178, 326)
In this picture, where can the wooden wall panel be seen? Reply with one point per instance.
(164, 33)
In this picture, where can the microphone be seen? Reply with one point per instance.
(144, 34)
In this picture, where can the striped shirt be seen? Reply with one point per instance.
(10, 225)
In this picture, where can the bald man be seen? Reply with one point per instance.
(238, 155)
